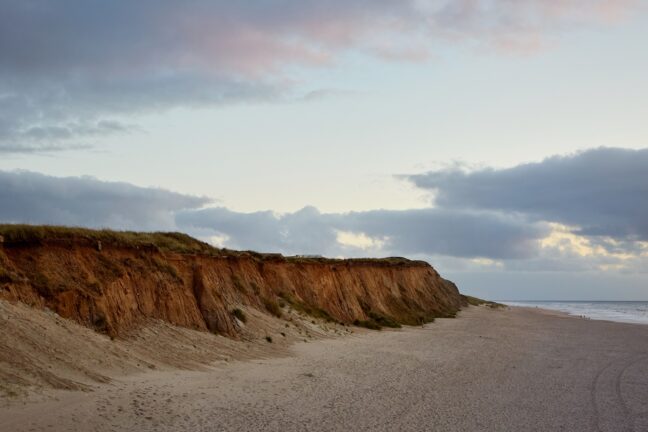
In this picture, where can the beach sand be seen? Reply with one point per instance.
(516, 369)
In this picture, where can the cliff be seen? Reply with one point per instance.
(114, 281)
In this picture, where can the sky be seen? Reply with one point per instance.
(504, 142)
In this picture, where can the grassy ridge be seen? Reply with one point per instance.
(168, 241)
(17, 234)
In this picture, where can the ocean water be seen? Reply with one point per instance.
(621, 311)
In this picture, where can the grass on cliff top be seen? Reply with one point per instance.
(169, 241)
(16, 234)
(476, 301)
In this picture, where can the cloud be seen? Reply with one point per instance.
(34, 198)
(584, 212)
(51, 138)
(69, 66)
(403, 232)
(303, 232)
(74, 112)
(41, 148)
(438, 231)
(600, 192)
(85, 201)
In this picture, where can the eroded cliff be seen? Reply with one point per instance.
(112, 282)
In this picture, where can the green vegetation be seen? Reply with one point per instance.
(451, 314)
(272, 307)
(165, 241)
(425, 320)
(107, 268)
(16, 234)
(383, 321)
(40, 283)
(237, 283)
(255, 288)
(475, 301)
(300, 306)
(8, 391)
(377, 321)
(99, 322)
(370, 324)
(431, 317)
(240, 315)
(165, 267)
(7, 275)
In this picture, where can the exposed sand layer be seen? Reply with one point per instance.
(488, 370)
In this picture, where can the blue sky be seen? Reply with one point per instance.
(265, 129)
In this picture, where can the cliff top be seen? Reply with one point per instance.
(176, 242)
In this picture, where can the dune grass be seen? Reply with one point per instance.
(476, 301)
(307, 309)
(240, 315)
(167, 241)
(272, 306)
(370, 324)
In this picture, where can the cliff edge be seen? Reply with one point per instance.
(114, 281)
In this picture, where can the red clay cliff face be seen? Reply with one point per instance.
(114, 288)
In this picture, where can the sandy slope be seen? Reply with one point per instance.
(40, 350)
(510, 370)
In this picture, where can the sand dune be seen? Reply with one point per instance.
(39, 350)
(488, 370)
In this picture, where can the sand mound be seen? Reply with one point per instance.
(39, 349)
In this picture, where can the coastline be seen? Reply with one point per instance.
(629, 312)
(488, 370)
(545, 311)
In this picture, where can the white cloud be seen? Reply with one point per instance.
(360, 241)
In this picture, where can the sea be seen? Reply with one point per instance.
(620, 311)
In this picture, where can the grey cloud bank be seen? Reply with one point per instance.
(490, 227)
(84, 201)
(502, 215)
(602, 192)
(404, 232)
(69, 69)
(496, 214)
(28, 197)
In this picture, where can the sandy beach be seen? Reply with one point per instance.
(489, 370)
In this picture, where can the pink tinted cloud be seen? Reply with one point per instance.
(257, 38)
(80, 60)
(314, 33)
